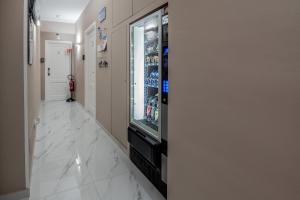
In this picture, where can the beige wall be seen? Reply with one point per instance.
(103, 80)
(119, 84)
(12, 154)
(34, 92)
(50, 36)
(138, 5)
(122, 9)
(234, 107)
(88, 16)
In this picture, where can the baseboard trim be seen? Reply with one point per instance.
(108, 133)
(115, 140)
(20, 195)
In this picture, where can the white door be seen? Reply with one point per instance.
(90, 69)
(57, 68)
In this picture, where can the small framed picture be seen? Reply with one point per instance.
(102, 14)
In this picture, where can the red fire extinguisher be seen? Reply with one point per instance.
(71, 79)
(71, 87)
(72, 84)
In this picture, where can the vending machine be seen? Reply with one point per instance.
(149, 88)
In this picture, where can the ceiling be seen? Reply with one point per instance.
(67, 11)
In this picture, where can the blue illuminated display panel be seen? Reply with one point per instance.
(165, 86)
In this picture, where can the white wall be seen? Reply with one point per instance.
(57, 27)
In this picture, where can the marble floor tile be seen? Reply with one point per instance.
(75, 159)
(125, 187)
(87, 192)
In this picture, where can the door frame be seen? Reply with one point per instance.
(47, 43)
(91, 28)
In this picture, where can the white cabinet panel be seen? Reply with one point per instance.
(119, 85)
(104, 97)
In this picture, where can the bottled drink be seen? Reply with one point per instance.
(156, 114)
(154, 108)
(149, 110)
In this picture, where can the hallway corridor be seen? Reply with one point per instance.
(75, 159)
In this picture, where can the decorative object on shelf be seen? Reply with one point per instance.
(103, 64)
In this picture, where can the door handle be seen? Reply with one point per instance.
(48, 71)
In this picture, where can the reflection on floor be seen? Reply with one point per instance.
(74, 159)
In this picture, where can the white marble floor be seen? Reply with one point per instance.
(74, 159)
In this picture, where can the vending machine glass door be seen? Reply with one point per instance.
(145, 74)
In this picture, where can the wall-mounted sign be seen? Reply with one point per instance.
(102, 14)
(103, 40)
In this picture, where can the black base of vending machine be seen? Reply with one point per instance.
(145, 153)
